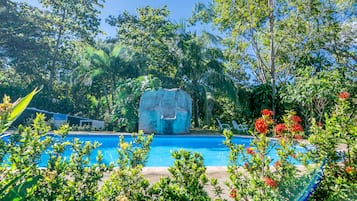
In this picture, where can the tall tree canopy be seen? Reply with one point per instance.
(70, 21)
(274, 38)
(21, 45)
(152, 35)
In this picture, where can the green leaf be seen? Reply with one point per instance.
(19, 191)
(12, 182)
(18, 107)
(21, 106)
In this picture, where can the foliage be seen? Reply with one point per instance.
(103, 67)
(339, 130)
(272, 40)
(21, 177)
(43, 46)
(70, 20)
(187, 179)
(75, 179)
(152, 35)
(8, 113)
(127, 182)
(22, 47)
(260, 99)
(250, 172)
(308, 48)
(125, 113)
(135, 153)
(203, 74)
(313, 94)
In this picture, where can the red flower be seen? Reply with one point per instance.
(298, 137)
(296, 119)
(261, 126)
(277, 164)
(279, 128)
(344, 95)
(270, 182)
(267, 112)
(250, 150)
(320, 124)
(246, 165)
(233, 193)
(294, 156)
(297, 128)
(349, 169)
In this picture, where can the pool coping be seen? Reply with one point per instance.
(111, 133)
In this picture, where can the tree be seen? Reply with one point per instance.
(69, 21)
(314, 95)
(202, 74)
(152, 35)
(105, 67)
(125, 115)
(251, 35)
(41, 44)
(21, 44)
(275, 38)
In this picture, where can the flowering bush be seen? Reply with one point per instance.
(253, 174)
(75, 179)
(339, 132)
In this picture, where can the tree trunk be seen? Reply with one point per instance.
(272, 55)
(195, 111)
(107, 99)
(54, 57)
(207, 118)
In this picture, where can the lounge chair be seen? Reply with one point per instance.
(223, 126)
(239, 127)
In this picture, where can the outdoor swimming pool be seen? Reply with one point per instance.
(214, 152)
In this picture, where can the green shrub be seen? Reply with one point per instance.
(339, 130)
(250, 170)
(188, 177)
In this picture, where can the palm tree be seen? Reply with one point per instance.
(105, 66)
(202, 73)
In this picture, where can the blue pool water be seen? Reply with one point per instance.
(214, 152)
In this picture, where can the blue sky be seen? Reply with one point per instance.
(180, 9)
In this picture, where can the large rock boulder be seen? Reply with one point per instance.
(165, 111)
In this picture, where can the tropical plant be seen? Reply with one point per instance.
(69, 20)
(335, 140)
(104, 68)
(125, 114)
(10, 188)
(23, 47)
(127, 182)
(250, 172)
(187, 179)
(313, 94)
(203, 74)
(273, 39)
